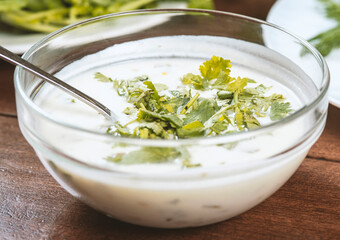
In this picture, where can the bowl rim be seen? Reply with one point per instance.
(213, 140)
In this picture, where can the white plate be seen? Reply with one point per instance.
(20, 42)
(306, 18)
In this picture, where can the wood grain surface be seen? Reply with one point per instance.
(34, 206)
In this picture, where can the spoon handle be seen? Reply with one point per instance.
(16, 60)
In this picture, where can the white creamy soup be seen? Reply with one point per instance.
(214, 191)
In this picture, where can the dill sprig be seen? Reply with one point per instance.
(328, 40)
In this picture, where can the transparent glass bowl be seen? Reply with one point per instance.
(267, 156)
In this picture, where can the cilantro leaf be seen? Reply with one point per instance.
(154, 126)
(237, 85)
(250, 121)
(194, 80)
(192, 129)
(176, 114)
(102, 78)
(152, 87)
(149, 155)
(205, 109)
(173, 119)
(233, 107)
(211, 69)
(260, 89)
(222, 81)
(130, 111)
(279, 110)
(151, 116)
(220, 126)
(123, 131)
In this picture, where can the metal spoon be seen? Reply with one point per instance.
(16, 60)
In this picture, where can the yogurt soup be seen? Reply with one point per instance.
(214, 184)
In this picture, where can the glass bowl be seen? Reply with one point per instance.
(240, 170)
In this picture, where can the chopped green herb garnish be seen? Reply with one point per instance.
(151, 155)
(157, 112)
(146, 155)
(192, 129)
(279, 110)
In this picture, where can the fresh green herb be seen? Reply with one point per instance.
(204, 111)
(150, 155)
(250, 120)
(192, 129)
(239, 119)
(222, 80)
(328, 40)
(102, 78)
(190, 103)
(159, 113)
(146, 155)
(220, 126)
(279, 110)
(50, 15)
(205, 4)
(212, 69)
(234, 107)
(187, 164)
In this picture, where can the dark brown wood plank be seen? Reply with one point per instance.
(7, 96)
(296, 211)
(33, 205)
(328, 145)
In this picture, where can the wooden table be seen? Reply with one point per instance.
(34, 206)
